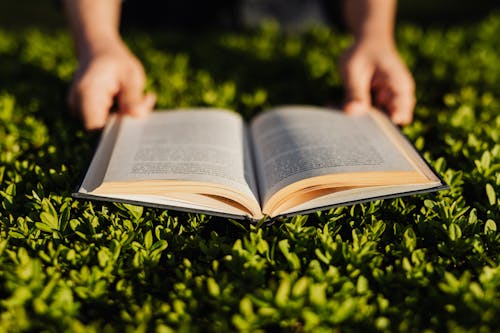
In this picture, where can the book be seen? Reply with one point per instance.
(288, 160)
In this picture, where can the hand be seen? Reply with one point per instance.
(106, 73)
(370, 67)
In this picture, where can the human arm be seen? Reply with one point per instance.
(107, 69)
(372, 63)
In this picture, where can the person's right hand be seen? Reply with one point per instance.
(107, 73)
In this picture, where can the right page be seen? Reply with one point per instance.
(307, 155)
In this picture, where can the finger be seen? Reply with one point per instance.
(95, 105)
(402, 102)
(401, 109)
(355, 107)
(142, 108)
(131, 98)
(147, 105)
(357, 89)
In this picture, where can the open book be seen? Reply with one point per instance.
(288, 160)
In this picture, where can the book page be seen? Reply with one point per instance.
(292, 143)
(97, 169)
(354, 195)
(197, 145)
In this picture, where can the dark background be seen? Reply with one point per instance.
(237, 14)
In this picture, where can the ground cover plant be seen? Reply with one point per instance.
(421, 263)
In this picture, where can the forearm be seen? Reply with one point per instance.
(94, 24)
(371, 20)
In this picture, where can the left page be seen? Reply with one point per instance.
(185, 147)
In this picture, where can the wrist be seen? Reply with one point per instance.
(376, 41)
(90, 47)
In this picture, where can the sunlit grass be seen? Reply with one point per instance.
(421, 262)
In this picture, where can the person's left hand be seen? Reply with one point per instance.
(375, 68)
(106, 72)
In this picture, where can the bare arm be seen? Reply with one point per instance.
(94, 24)
(367, 18)
(108, 70)
(373, 64)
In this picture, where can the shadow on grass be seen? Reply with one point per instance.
(285, 78)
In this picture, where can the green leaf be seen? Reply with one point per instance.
(473, 216)
(9, 193)
(317, 294)
(64, 216)
(300, 286)
(490, 192)
(159, 245)
(454, 231)
(135, 211)
(429, 203)
(148, 239)
(50, 220)
(490, 226)
(486, 160)
(346, 310)
(410, 239)
(450, 284)
(43, 227)
(213, 287)
(283, 292)
(291, 257)
(246, 307)
(103, 257)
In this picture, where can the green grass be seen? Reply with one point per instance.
(426, 262)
